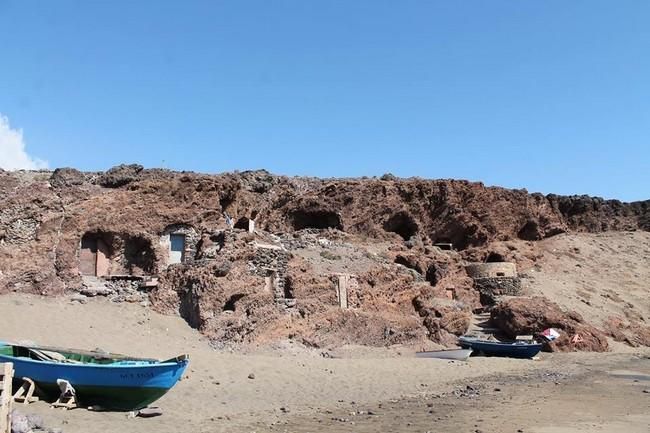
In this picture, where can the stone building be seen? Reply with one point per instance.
(178, 244)
(494, 279)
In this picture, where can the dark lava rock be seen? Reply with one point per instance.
(120, 175)
(66, 177)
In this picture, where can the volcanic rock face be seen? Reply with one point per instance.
(530, 316)
(444, 320)
(328, 261)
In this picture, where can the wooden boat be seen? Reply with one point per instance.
(516, 349)
(110, 381)
(455, 354)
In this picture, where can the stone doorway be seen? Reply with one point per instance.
(93, 256)
(177, 248)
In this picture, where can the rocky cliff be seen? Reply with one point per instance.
(268, 257)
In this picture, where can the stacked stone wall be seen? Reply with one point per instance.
(493, 288)
(272, 261)
(192, 238)
(491, 270)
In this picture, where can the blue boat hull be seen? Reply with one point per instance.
(511, 350)
(122, 386)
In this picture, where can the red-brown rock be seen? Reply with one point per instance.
(530, 316)
(44, 215)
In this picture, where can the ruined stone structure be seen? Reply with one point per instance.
(494, 279)
(491, 289)
(178, 244)
(491, 270)
(104, 253)
(270, 262)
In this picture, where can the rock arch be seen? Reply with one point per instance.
(403, 224)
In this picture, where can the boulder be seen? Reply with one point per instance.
(530, 316)
(120, 175)
(443, 319)
(66, 177)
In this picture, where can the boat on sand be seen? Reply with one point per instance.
(110, 381)
(515, 349)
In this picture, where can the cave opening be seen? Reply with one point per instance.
(444, 243)
(189, 310)
(494, 258)
(404, 261)
(530, 232)
(432, 275)
(139, 256)
(403, 224)
(316, 219)
(230, 304)
(288, 289)
(225, 201)
(242, 223)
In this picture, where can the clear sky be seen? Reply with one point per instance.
(552, 96)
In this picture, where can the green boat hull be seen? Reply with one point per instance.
(108, 397)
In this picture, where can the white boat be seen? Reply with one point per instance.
(455, 354)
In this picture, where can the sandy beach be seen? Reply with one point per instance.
(298, 389)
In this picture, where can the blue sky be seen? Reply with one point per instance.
(552, 96)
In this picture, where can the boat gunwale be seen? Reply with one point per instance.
(91, 365)
(442, 350)
(89, 353)
(499, 343)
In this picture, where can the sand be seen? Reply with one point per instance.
(548, 399)
(598, 275)
(291, 384)
(217, 383)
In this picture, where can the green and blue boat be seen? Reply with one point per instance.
(109, 381)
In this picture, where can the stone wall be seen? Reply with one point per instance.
(270, 262)
(15, 227)
(120, 253)
(494, 279)
(492, 288)
(191, 241)
(491, 270)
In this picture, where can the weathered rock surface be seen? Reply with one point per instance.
(444, 320)
(530, 316)
(67, 177)
(236, 287)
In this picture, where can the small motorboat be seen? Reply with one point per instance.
(455, 354)
(515, 349)
(107, 380)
